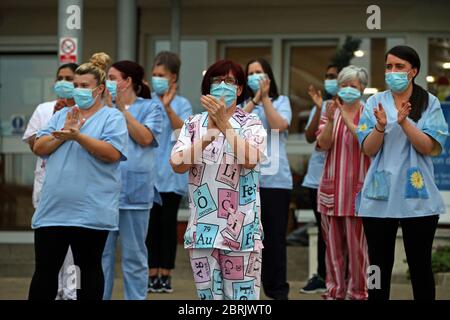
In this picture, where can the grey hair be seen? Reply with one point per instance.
(351, 73)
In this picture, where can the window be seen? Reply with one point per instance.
(439, 67)
(25, 81)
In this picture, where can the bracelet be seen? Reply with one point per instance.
(380, 131)
(253, 101)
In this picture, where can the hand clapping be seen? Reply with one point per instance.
(380, 115)
(403, 112)
(72, 126)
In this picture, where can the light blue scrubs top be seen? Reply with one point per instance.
(400, 181)
(277, 173)
(317, 160)
(139, 172)
(80, 190)
(167, 180)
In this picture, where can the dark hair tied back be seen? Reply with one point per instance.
(419, 96)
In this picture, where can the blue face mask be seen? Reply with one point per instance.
(111, 85)
(228, 91)
(331, 86)
(253, 81)
(160, 85)
(349, 94)
(397, 81)
(83, 97)
(63, 89)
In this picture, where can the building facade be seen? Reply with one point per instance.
(297, 37)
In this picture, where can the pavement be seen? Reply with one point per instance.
(184, 289)
(15, 276)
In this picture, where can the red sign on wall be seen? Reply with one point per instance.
(68, 50)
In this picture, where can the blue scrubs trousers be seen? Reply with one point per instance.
(133, 226)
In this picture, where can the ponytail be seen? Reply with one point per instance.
(144, 91)
(135, 71)
(419, 102)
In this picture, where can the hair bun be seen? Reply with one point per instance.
(100, 60)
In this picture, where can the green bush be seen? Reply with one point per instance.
(441, 259)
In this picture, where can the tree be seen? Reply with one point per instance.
(345, 53)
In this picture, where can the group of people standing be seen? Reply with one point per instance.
(372, 172)
(101, 146)
(118, 157)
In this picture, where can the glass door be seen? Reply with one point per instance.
(305, 65)
(242, 52)
(26, 80)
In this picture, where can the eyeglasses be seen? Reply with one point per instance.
(227, 80)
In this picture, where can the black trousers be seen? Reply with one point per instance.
(162, 232)
(321, 246)
(51, 245)
(418, 235)
(274, 217)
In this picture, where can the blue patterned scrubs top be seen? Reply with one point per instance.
(400, 181)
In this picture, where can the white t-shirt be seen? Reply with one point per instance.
(39, 120)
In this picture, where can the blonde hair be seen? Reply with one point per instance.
(97, 66)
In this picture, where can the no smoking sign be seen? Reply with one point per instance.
(68, 50)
